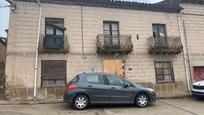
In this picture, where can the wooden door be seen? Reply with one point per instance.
(114, 66)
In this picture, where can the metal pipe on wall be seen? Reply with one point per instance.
(185, 51)
(188, 54)
(82, 31)
(36, 52)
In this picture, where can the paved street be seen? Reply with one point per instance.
(186, 106)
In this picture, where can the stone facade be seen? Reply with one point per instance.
(2, 65)
(2, 56)
(192, 26)
(139, 64)
(2, 50)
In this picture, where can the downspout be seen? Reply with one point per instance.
(82, 31)
(36, 52)
(188, 56)
(185, 51)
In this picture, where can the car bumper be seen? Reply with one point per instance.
(200, 94)
(197, 92)
(68, 98)
(153, 98)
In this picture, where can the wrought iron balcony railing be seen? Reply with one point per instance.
(166, 45)
(53, 44)
(107, 44)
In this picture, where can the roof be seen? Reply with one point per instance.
(2, 40)
(177, 2)
(115, 4)
(94, 73)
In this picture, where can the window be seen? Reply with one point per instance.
(54, 33)
(111, 29)
(128, 83)
(54, 26)
(159, 30)
(159, 33)
(164, 71)
(115, 81)
(95, 79)
(53, 72)
(75, 79)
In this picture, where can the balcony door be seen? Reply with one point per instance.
(159, 34)
(111, 31)
(54, 33)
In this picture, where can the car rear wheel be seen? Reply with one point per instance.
(81, 102)
(142, 100)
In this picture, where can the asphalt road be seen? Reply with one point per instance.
(183, 106)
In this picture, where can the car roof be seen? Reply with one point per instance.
(99, 73)
(95, 73)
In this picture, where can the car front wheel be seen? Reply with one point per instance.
(142, 100)
(81, 102)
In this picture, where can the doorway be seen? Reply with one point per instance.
(114, 66)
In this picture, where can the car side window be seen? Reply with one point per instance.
(115, 81)
(95, 79)
(128, 83)
(75, 79)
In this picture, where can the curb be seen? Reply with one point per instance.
(176, 97)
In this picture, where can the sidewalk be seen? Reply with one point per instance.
(179, 106)
(33, 102)
(14, 102)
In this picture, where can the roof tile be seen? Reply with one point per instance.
(116, 4)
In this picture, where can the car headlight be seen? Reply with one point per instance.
(150, 89)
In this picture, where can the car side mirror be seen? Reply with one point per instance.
(126, 85)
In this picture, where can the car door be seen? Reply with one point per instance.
(118, 92)
(96, 88)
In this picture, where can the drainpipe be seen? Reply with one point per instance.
(36, 52)
(185, 51)
(82, 32)
(188, 56)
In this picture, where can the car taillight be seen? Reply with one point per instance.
(71, 87)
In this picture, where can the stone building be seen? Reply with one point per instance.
(3, 45)
(52, 41)
(193, 28)
(2, 49)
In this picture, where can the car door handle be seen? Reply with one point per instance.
(113, 88)
(90, 86)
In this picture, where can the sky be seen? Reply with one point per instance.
(4, 14)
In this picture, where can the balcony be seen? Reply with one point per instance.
(108, 45)
(165, 46)
(53, 44)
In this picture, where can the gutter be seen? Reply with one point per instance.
(82, 32)
(36, 52)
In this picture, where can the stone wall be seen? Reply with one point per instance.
(139, 65)
(193, 30)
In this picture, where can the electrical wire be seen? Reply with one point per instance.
(2, 4)
(5, 6)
